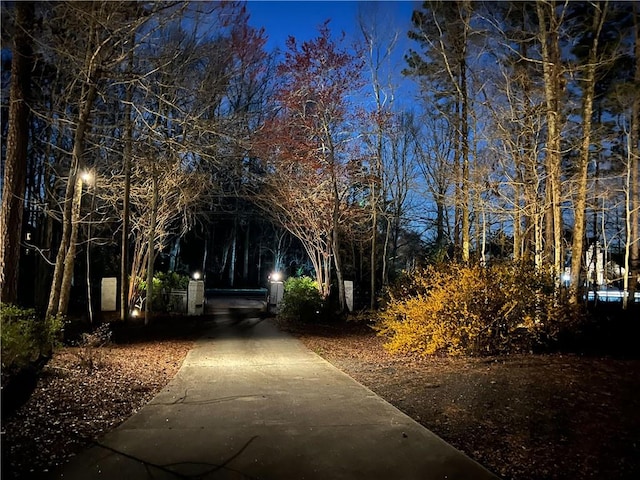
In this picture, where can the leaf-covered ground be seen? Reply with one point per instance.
(83, 393)
(523, 417)
(528, 417)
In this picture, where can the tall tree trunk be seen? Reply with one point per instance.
(70, 254)
(547, 230)
(634, 167)
(124, 243)
(335, 244)
(15, 170)
(376, 179)
(56, 281)
(151, 247)
(326, 272)
(234, 242)
(580, 205)
(335, 247)
(552, 71)
(457, 176)
(63, 272)
(88, 252)
(517, 224)
(245, 257)
(374, 222)
(464, 138)
(628, 228)
(385, 249)
(375, 206)
(374, 247)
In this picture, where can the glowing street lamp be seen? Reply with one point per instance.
(87, 177)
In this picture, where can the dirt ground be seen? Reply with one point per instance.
(523, 417)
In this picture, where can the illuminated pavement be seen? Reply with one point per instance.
(251, 402)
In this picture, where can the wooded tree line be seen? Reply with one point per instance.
(540, 103)
(522, 143)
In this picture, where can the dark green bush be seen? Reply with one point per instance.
(163, 283)
(171, 280)
(302, 299)
(27, 338)
(473, 310)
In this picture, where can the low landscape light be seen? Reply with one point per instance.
(196, 275)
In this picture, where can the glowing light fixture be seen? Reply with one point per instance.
(196, 275)
(86, 176)
(275, 277)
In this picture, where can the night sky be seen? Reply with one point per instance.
(301, 19)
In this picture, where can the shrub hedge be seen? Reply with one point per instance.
(302, 300)
(162, 284)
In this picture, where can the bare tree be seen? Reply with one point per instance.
(108, 28)
(435, 153)
(633, 270)
(379, 48)
(514, 98)
(550, 21)
(398, 181)
(444, 30)
(580, 203)
(306, 148)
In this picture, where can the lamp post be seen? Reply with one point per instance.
(276, 289)
(195, 295)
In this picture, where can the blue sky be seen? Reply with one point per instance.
(302, 18)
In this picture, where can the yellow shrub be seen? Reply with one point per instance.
(455, 309)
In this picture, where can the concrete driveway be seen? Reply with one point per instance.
(251, 402)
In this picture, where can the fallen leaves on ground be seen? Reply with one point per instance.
(525, 417)
(82, 394)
